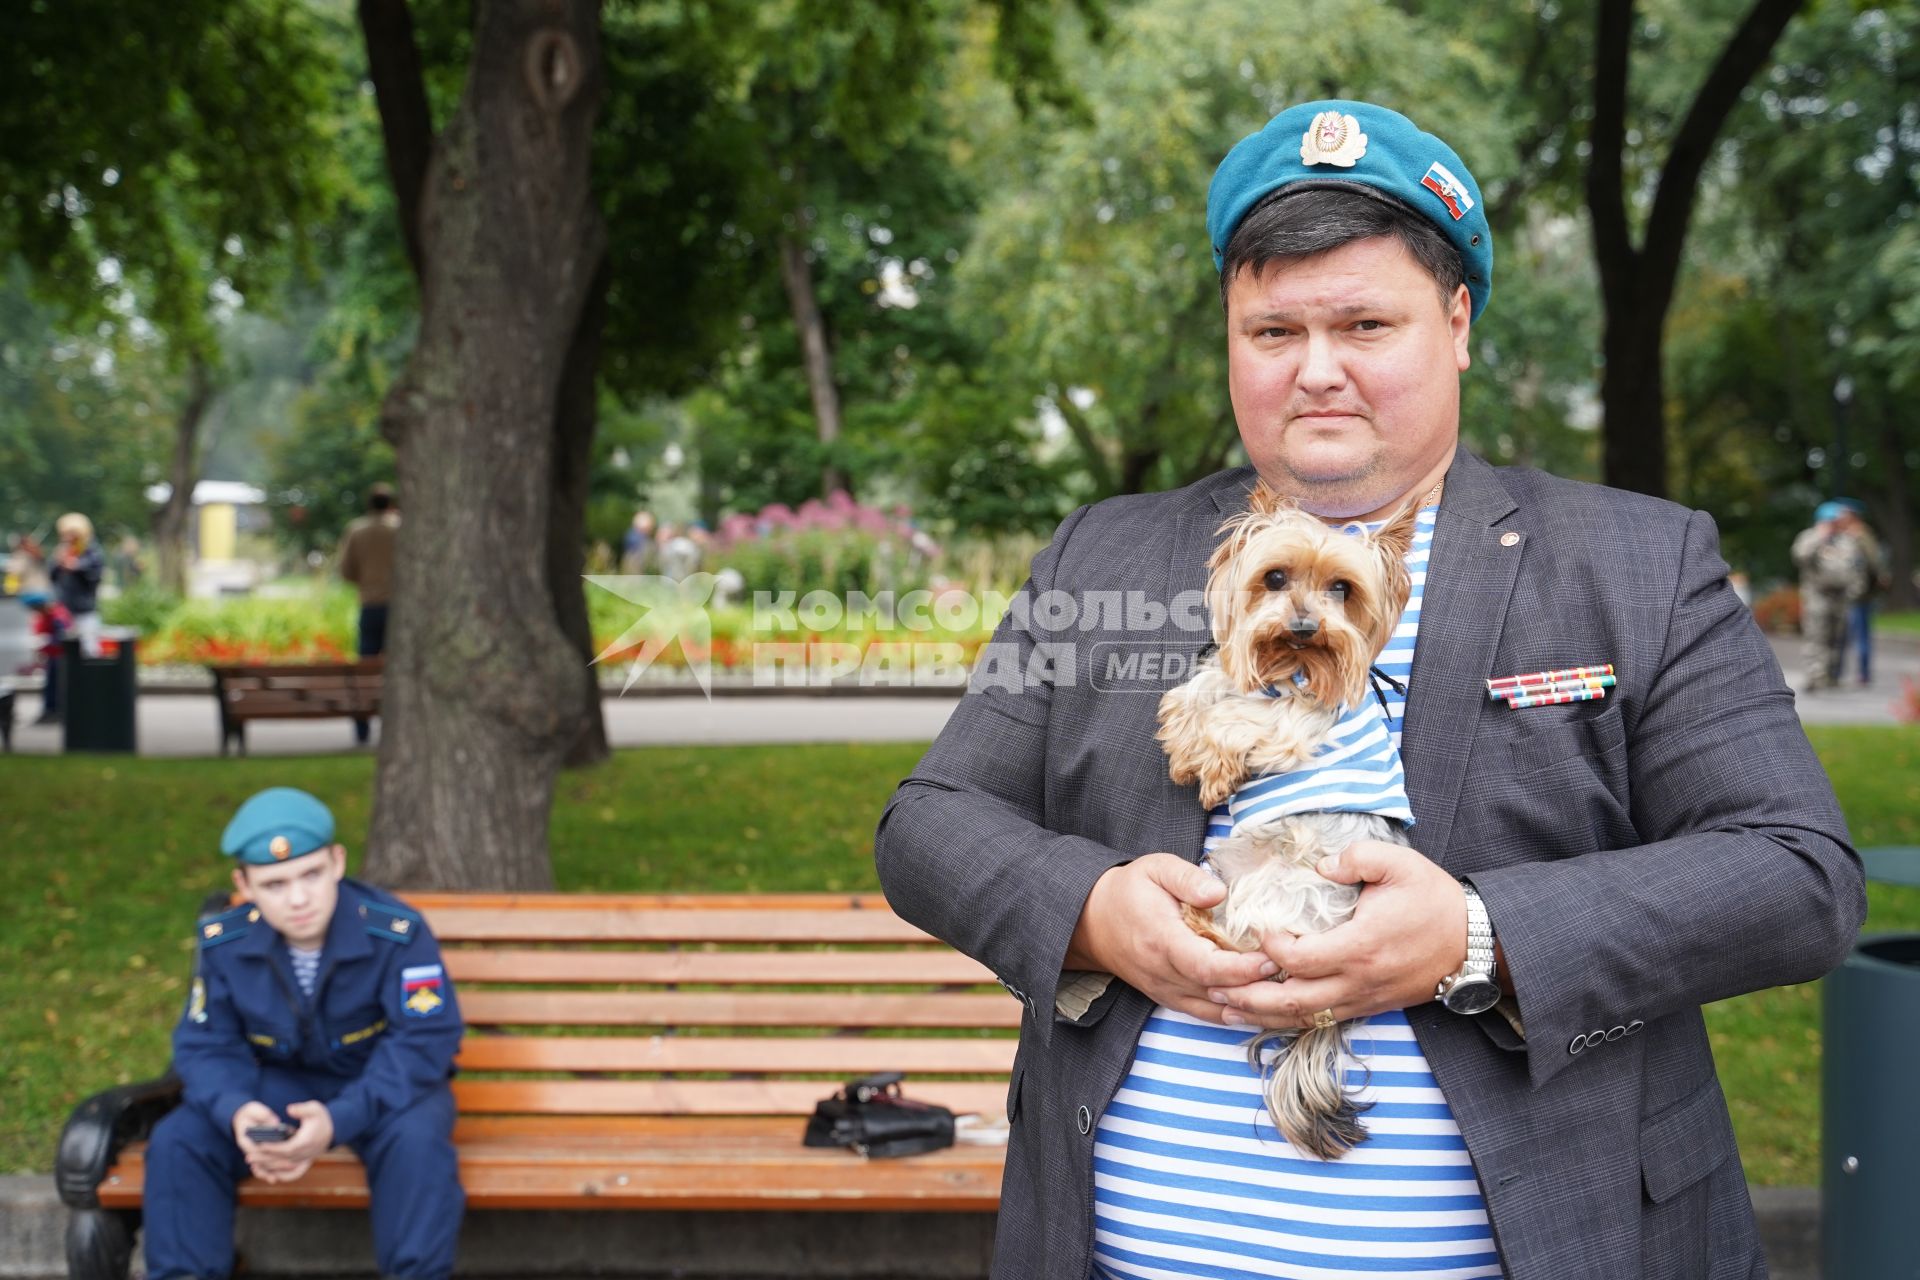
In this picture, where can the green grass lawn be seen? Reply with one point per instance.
(106, 860)
(1905, 623)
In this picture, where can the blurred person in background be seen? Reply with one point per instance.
(366, 560)
(75, 575)
(1836, 560)
(26, 566)
(52, 624)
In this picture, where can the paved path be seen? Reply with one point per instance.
(188, 724)
(177, 724)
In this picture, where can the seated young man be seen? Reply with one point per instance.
(320, 1007)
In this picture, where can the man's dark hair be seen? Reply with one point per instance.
(1290, 225)
(380, 498)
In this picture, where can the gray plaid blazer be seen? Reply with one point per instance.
(1674, 844)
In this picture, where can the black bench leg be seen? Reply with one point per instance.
(100, 1243)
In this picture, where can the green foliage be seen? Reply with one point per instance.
(321, 471)
(315, 624)
(81, 417)
(826, 125)
(833, 560)
(182, 181)
(146, 608)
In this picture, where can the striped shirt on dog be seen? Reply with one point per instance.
(1191, 1179)
(1356, 770)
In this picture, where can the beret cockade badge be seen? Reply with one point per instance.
(1333, 138)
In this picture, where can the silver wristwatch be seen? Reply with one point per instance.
(1472, 988)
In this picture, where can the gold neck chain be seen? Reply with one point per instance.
(1433, 494)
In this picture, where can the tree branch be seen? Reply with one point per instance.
(1539, 82)
(1744, 55)
(1089, 442)
(1606, 139)
(406, 121)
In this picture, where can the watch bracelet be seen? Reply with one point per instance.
(1480, 952)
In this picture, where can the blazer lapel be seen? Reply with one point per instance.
(1462, 613)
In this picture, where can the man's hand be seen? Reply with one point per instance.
(1408, 931)
(1131, 928)
(288, 1161)
(266, 1166)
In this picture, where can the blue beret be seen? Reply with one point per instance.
(1361, 147)
(275, 825)
(34, 599)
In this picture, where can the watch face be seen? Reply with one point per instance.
(1473, 993)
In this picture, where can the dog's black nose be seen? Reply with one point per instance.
(1304, 628)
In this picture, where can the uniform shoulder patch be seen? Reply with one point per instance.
(421, 990)
(394, 923)
(227, 926)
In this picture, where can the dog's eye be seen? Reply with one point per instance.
(1340, 588)
(1276, 579)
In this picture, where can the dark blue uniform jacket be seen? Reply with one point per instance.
(379, 1033)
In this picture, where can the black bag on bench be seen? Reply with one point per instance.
(872, 1118)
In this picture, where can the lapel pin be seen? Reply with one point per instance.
(1509, 538)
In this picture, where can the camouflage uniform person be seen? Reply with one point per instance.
(1836, 564)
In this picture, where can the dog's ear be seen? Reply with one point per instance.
(1265, 501)
(1233, 537)
(1262, 504)
(1395, 538)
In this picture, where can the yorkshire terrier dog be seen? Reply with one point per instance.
(1300, 612)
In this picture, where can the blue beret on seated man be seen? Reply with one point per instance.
(321, 1004)
(1590, 870)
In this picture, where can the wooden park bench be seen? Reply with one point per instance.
(648, 1052)
(293, 691)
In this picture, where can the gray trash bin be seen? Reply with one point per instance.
(98, 692)
(1870, 1139)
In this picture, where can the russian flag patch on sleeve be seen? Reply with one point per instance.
(421, 989)
(1452, 191)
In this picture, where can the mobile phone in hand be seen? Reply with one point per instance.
(269, 1132)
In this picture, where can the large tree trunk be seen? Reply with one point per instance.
(183, 472)
(482, 697)
(576, 418)
(797, 275)
(1636, 283)
(1634, 441)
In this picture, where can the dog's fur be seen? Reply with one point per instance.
(1290, 597)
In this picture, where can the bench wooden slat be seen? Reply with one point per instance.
(303, 711)
(693, 1097)
(302, 691)
(633, 1163)
(240, 672)
(850, 1056)
(797, 968)
(730, 1009)
(614, 924)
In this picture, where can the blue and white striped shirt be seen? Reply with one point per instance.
(1356, 770)
(306, 967)
(1192, 1180)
